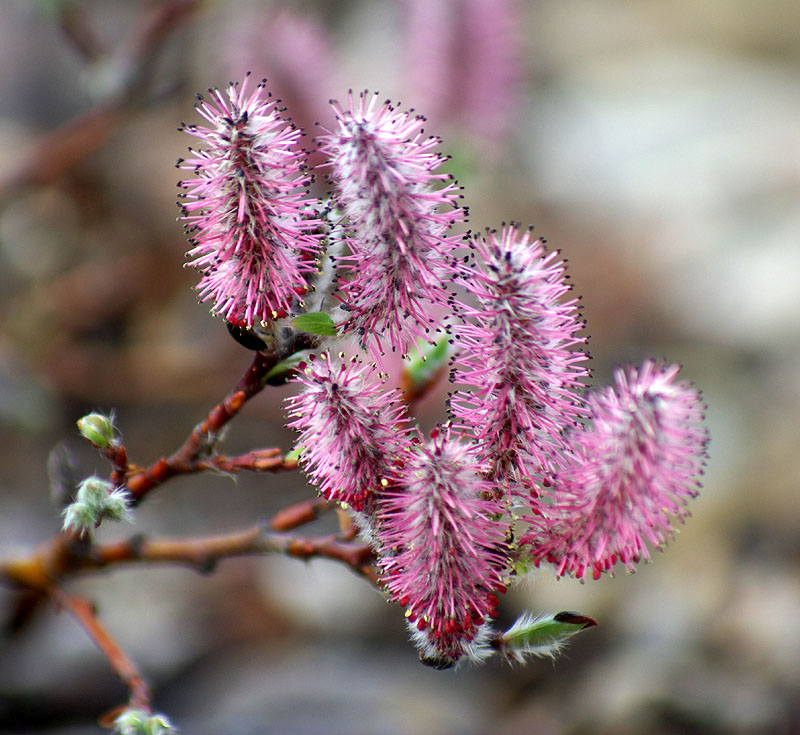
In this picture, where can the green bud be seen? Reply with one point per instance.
(131, 722)
(98, 429)
(137, 722)
(81, 518)
(160, 725)
(118, 506)
(94, 491)
(542, 636)
(423, 367)
(95, 500)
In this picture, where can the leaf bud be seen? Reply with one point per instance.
(94, 491)
(138, 722)
(98, 429)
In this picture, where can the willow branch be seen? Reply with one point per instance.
(195, 454)
(68, 554)
(203, 553)
(58, 151)
(125, 668)
(74, 22)
(257, 460)
(298, 514)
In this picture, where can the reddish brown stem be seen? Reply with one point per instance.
(84, 612)
(298, 514)
(148, 37)
(257, 460)
(57, 152)
(203, 553)
(193, 456)
(67, 555)
(118, 456)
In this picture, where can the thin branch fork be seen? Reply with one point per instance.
(67, 554)
(201, 554)
(193, 456)
(298, 514)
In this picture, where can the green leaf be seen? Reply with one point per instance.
(422, 367)
(542, 636)
(294, 454)
(281, 372)
(315, 322)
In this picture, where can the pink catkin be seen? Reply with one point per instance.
(466, 65)
(442, 548)
(251, 228)
(633, 471)
(292, 47)
(351, 430)
(519, 352)
(396, 223)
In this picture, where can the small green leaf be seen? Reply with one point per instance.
(281, 372)
(315, 322)
(542, 636)
(294, 454)
(422, 367)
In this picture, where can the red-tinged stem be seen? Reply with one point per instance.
(57, 152)
(126, 669)
(298, 514)
(118, 456)
(203, 553)
(75, 25)
(67, 555)
(257, 460)
(195, 454)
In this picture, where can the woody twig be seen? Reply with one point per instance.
(196, 453)
(126, 669)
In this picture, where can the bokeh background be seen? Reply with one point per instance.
(655, 143)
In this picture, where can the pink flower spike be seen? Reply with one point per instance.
(465, 65)
(634, 469)
(519, 352)
(443, 550)
(351, 429)
(384, 171)
(252, 230)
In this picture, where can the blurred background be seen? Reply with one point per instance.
(655, 143)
